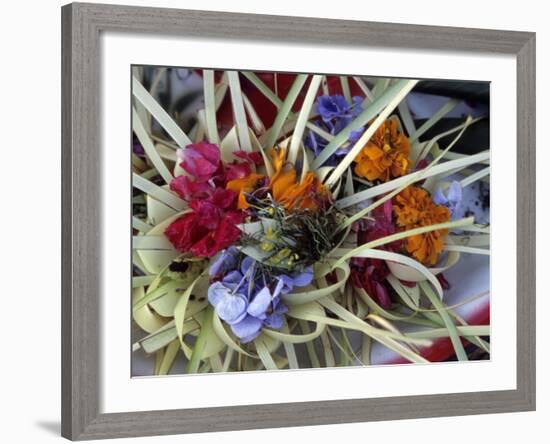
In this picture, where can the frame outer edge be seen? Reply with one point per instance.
(526, 222)
(81, 278)
(81, 24)
(248, 417)
(326, 31)
(67, 385)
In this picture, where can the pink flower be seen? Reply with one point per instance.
(188, 189)
(201, 160)
(237, 170)
(212, 224)
(240, 170)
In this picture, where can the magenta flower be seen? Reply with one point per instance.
(201, 160)
(189, 189)
(237, 170)
(370, 274)
(251, 157)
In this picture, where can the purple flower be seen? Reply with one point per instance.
(138, 150)
(227, 260)
(336, 107)
(451, 199)
(354, 135)
(264, 309)
(267, 310)
(335, 114)
(230, 305)
(230, 296)
(246, 298)
(247, 315)
(298, 279)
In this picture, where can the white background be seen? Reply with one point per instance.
(30, 381)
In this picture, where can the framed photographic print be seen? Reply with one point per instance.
(280, 221)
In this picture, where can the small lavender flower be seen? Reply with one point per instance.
(230, 296)
(226, 260)
(264, 309)
(299, 279)
(230, 304)
(450, 199)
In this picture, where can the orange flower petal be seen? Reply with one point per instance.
(242, 203)
(385, 156)
(373, 152)
(414, 208)
(244, 185)
(289, 193)
(281, 183)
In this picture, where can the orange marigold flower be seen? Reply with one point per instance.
(386, 155)
(245, 185)
(307, 194)
(414, 208)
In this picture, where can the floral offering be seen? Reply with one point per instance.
(302, 221)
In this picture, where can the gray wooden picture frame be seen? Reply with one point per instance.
(81, 243)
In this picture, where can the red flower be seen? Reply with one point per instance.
(381, 226)
(211, 226)
(370, 274)
(421, 165)
(224, 235)
(185, 231)
(221, 198)
(444, 282)
(252, 157)
(201, 160)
